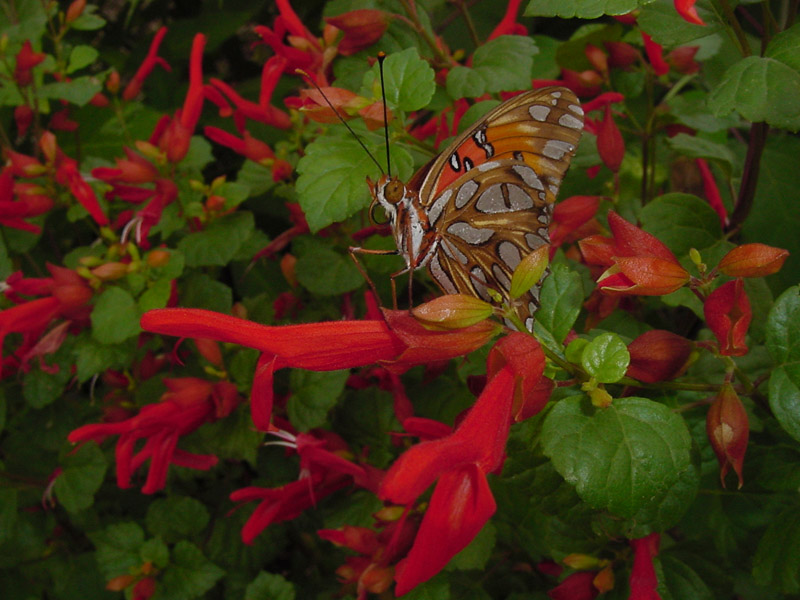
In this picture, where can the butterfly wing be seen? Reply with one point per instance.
(490, 195)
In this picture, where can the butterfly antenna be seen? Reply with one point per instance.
(341, 118)
(381, 58)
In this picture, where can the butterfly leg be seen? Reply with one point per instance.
(353, 250)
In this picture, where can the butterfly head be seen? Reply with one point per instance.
(388, 192)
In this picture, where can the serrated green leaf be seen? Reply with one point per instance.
(82, 475)
(81, 56)
(691, 109)
(464, 82)
(313, 396)
(154, 551)
(662, 22)
(88, 21)
(760, 89)
(175, 517)
(270, 586)
(256, 177)
(475, 112)
(784, 47)
(682, 581)
(561, 299)
(78, 91)
(92, 357)
(505, 63)
(582, 9)
(115, 317)
(408, 80)
(118, 548)
(218, 243)
(234, 192)
(697, 147)
(322, 271)
(189, 574)
(202, 291)
(783, 327)
(682, 222)
(156, 296)
(606, 358)
(619, 458)
(437, 588)
(477, 552)
(40, 388)
(784, 397)
(777, 559)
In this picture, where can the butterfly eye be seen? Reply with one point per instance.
(377, 217)
(394, 191)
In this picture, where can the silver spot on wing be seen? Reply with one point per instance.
(501, 277)
(556, 149)
(492, 200)
(442, 278)
(468, 233)
(576, 109)
(509, 254)
(488, 165)
(539, 112)
(567, 120)
(435, 211)
(478, 278)
(534, 241)
(528, 175)
(453, 252)
(466, 192)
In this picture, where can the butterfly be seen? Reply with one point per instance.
(474, 212)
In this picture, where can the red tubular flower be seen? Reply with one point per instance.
(569, 215)
(711, 191)
(643, 581)
(247, 146)
(659, 355)
(727, 312)
(23, 117)
(578, 586)
(136, 169)
(621, 55)
(151, 60)
(26, 60)
(687, 10)
(508, 24)
(585, 84)
(461, 502)
(362, 28)
(610, 144)
(682, 59)
(753, 260)
(655, 54)
(188, 403)
(728, 431)
(642, 264)
(324, 346)
(246, 109)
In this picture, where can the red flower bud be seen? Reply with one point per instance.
(753, 260)
(75, 10)
(362, 28)
(578, 586)
(728, 431)
(23, 116)
(658, 355)
(584, 84)
(727, 312)
(687, 10)
(655, 54)
(682, 59)
(26, 60)
(610, 144)
(597, 58)
(621, 54)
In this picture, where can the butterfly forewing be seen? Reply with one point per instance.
(489, 196)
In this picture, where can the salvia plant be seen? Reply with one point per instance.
(218, 380)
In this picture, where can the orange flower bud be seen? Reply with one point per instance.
(110, 271)
(597, 57)
(119, 583)
(643, 276)
(377, 580)
(75, 10)
(288, 262)
(157, 258)
(604, 580)
(753, 260)
(659, 355)
(453, 311)
(728, 431)
(361, 27)
(727, 312)
(209, 349)
(581, 562)
(112, 82)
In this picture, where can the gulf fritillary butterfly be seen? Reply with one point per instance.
(475, 211)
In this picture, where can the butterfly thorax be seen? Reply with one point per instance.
(415, 238)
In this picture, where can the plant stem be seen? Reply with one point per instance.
(739, 36)
(473, 33)
(752, 165)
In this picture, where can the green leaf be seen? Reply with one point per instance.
(115, 317)
(41, 388)
(408, 80)
(561, 299)
(88, 21)
(81, 56)
(313, 396)
(199, 155)
(189, 574)
(783, 47)
(217, 244)
(82, 475)
(234, 192)
(505, 63)
(118, 548)
(619, 458)
(155, 551)
(682, 222)
(270, 586)
(783, 343)
(663, 23)
(582, 9)
(682, 581)
(760, 89)
(606, 358)
(698, 147)
(691, 109)
(78, 91)
(464, 82)
(92, 357)
(156, 296)
(777, 559)
(202, 291)
(477, 552)
(322, 271)
(175, 517)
